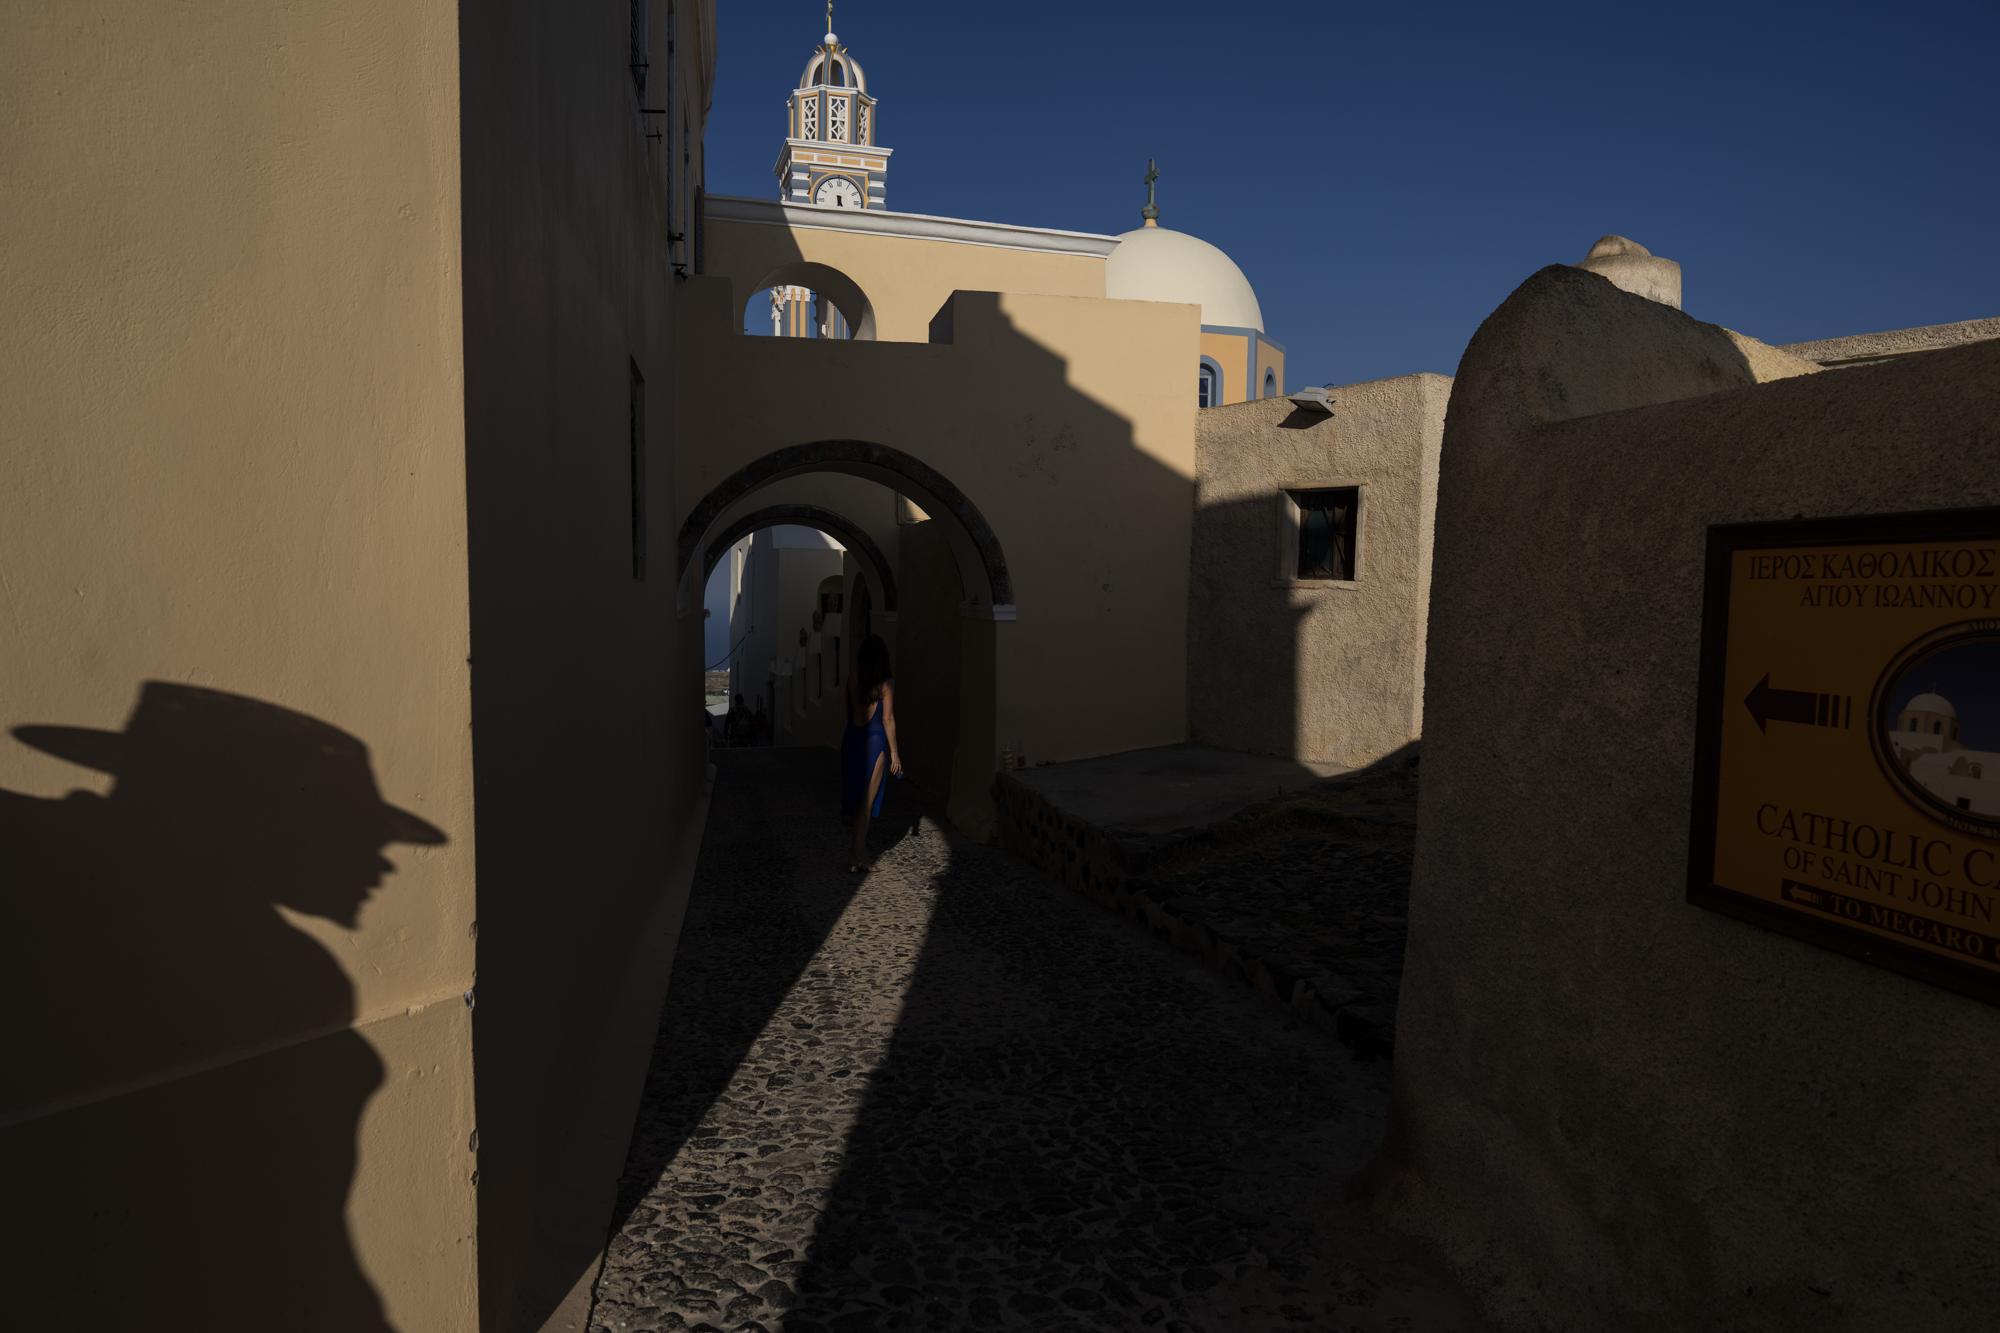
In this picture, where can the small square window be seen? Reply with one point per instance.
(1327, 528)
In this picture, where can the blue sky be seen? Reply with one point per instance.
(1386, 173)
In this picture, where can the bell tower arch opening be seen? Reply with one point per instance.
(808, 300)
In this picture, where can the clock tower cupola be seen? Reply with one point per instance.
(830, 159)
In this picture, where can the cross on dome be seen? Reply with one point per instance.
(832, 66)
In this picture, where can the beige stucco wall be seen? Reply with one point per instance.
(1270, 358)
(1048, 413)
(1233, 352)
(231, 399)
(588, 739)
(1614, 1109)
(1325, 672)
(319, 331)
(906, 280)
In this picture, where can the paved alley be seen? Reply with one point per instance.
(953, 1095)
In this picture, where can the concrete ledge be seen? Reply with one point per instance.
(1170, 838)
(1862, 349)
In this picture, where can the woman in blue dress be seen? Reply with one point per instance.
(870, 739)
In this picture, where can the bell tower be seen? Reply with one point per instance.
(830, 159)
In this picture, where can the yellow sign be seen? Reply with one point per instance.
(1847, 785)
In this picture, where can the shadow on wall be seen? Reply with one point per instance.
(1005, 408)
(152, 979)
(1243, 633)
(587, 725)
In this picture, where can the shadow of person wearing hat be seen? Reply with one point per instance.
(182, 1085)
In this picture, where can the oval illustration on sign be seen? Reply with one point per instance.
(1935, 725)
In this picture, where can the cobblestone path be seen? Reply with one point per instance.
(954, 1095)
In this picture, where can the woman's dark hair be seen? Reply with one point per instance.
(871, 666)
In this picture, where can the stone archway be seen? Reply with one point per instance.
(982, 564)
(821, 519)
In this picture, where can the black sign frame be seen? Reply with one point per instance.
(1724, 541)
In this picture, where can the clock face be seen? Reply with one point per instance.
(837, 193)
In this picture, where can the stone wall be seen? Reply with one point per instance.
(1320, 671)
(1614, 1109)
(1862, 349)
(1297, 897)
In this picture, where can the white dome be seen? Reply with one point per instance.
(1931, 703)
(1157, 264)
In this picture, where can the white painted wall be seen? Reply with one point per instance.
(777, 593)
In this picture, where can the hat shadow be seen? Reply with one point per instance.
(180, 1105)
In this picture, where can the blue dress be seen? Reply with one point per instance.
(861, 747)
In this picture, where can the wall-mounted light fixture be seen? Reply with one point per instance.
(1313, 399)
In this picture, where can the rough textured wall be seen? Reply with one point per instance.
(232, 612)
(1863, 348)
(1612, 1109)
(588, 744)
(1323, 672)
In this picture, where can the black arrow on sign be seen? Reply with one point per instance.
(1804, 707)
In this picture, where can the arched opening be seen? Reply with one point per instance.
(1270, 384)
(751, 586)
(805, 300)
(875, 564)
(989, 587)
(930, 589)
(773, 599)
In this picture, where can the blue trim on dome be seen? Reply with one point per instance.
(1238, 331)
